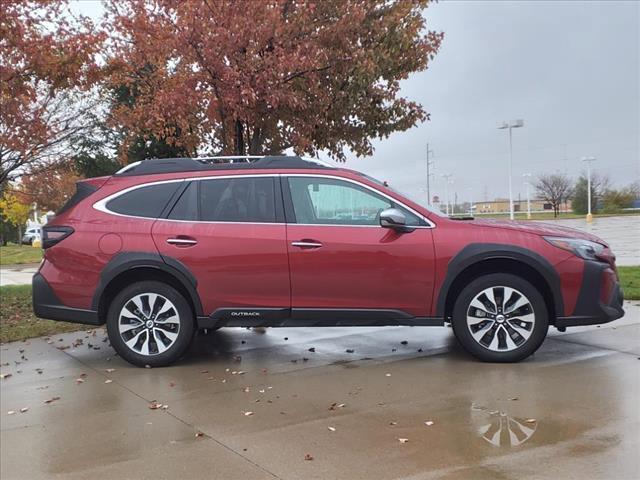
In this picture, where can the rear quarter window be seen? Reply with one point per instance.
(148, 202)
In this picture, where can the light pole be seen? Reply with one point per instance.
(514, 124)
(447, 179)
(429, 163)
(588, 161)
(527, 185)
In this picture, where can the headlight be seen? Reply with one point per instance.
(582, 248)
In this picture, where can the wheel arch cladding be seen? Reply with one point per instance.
(480, 259)
(129, 267)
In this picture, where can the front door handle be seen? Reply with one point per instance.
(182, 241)
(306, 244)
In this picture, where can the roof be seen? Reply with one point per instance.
(172, 165)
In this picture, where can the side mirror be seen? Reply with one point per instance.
(395, 219)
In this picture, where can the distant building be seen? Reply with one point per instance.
(501, 205)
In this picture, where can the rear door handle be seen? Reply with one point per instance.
(306, 244)
(182, 241)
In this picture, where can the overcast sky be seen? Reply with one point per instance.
(570, 69)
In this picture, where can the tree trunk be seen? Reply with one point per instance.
(20, 235)
(239, 145)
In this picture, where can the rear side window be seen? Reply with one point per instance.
(248, 199)
(146, 201)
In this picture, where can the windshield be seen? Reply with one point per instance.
(435, 211)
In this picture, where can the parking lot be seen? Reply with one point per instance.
(325, 403)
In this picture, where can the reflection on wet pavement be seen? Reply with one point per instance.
(344, 396)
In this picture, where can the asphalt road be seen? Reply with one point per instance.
(246, 405)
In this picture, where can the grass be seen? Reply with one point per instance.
(19, 254)
(630, 280)
(17, 321)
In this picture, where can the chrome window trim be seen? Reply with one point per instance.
(101, 205)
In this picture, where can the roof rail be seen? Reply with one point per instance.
(228, 162)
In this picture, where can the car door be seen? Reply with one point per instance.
(229, 232)
(342, 259)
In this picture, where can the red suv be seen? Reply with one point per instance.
(165, 247)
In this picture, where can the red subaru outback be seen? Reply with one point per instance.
(165, 247)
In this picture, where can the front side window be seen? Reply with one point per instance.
(148, 201)
(246, 199)
(326, 201)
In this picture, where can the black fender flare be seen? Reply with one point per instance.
(479, 252)
(125, 261)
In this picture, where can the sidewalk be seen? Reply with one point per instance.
(17, 274)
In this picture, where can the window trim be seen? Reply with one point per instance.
(279, 178)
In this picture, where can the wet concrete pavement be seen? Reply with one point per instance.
(571, 411)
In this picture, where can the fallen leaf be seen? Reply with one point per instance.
(350, 350)
(199, 434)
(110, 370)
(5, 375)
(246, 389)
(428, 423)
(530, 420)
(24, 409)
(51, 400)
(79, 380)
(387, 374)
(308, 457)
(393, 424)
(312, 349)
(512, 399)
(403, 440)
(332, 429)
(172, 384)
(108, 381)
(11, 412)
(155, 405)
(247, 414)
(404, 342)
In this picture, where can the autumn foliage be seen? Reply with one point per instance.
(259, 77)
(187, 77)
(46, 59)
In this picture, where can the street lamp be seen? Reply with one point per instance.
(514, 124)
(527, 184)
(588, 161)
(447, 180)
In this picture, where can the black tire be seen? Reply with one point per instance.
(496, 347)
(161, 334)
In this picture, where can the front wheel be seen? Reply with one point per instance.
(500, 318)
(150, 323)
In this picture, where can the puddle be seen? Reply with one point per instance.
(500, 429)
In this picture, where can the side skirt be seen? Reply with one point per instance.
(312, 317)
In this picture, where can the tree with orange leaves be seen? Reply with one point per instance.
(217, 75)
(46, 68)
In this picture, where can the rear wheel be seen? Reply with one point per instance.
(500, 318)
(150, 323)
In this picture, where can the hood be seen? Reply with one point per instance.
(538, 228)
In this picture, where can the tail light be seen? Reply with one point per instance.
(52, 235)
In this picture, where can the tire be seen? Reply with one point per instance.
(507, 337)
(163, 324)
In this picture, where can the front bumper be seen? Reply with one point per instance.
(47, 305)
(600, 298)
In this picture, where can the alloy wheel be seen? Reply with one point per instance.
(149, 323)
(501, 319)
